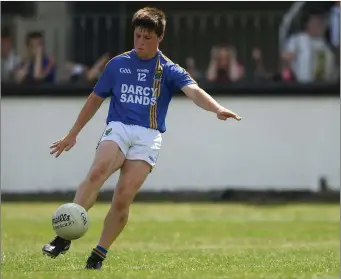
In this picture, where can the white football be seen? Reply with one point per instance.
(70, 221)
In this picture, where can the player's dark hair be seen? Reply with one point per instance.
(34, 35)
(150, 18)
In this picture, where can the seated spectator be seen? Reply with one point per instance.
(191, 68)
(223, 66)
(36, 66)
(78, 73)
(9, 60)
(260, 73)
(95, 71)
(308, 53)
(285, 74)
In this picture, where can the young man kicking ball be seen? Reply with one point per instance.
(140, 84)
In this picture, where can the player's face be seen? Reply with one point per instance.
(146, 42)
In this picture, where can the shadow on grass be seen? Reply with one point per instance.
(252, 197)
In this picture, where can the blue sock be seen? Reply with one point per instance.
(99, 252)
(102, 249)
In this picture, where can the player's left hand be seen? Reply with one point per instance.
(224, 114)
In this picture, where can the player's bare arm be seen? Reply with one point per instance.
(205, 101)
(92, 104)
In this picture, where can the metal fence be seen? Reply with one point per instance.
(187, 34)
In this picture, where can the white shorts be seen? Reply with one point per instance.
(135, 142)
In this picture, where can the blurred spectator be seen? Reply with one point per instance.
(95, 71)
(191, 68)
(223, 66)
(334, 23)
(285, 74)
(308, 53)
(334, 30)
(9, 60)
(36, 66)
(74, 72)
(78, 73)
(260, 73)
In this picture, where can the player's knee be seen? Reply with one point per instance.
(123, 199)
(98, 173)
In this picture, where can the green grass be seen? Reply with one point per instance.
(182, 241)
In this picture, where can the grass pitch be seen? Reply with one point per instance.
(185, 241)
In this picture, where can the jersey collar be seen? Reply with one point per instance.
(158, 52)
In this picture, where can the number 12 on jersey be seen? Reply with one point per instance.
(141, 76)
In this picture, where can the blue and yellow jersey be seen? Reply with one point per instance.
(140, 90)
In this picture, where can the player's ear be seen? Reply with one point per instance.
(160, 38)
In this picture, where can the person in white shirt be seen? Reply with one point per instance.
(9, 60)
(309, 54)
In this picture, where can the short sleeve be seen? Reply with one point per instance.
(179, 77)
(104, 85)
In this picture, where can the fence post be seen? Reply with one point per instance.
(123, 27)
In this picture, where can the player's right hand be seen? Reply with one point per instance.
(224, 114)
(64, 144)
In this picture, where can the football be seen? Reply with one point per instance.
(70, 221)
